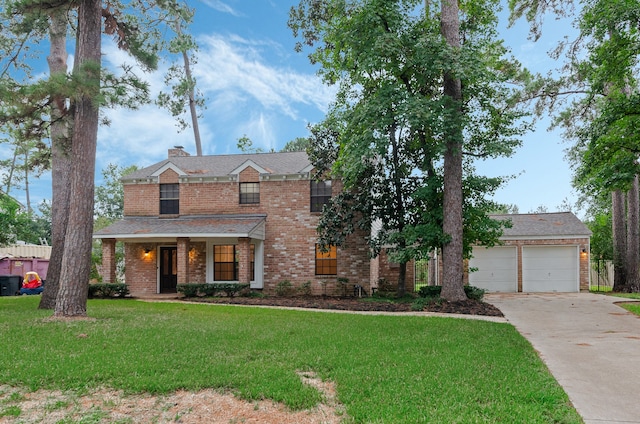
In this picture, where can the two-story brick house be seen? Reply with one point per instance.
(248, 218)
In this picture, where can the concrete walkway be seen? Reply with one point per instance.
(591, 346)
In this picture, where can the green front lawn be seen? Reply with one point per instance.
(387, 369)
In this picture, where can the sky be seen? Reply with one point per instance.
(256, 85)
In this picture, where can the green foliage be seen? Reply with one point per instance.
(420, 303)
(385, 136)
(429, 291)
(472, 292)
(211, 289)
(109, 207)
(284, 288)
(9, 217)
(108, 290)
(109, 195)
(16, 224)
(470, 371)
(305, 288)
(245, 145)
(299, 144)
(601, 243)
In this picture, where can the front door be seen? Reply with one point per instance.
(168, 269)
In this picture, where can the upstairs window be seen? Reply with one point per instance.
(326, 262)
(320, 194)
(249, 193)
(169, 199)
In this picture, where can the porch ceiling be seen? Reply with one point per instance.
(209, 226)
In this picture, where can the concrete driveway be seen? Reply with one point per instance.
(590, 344)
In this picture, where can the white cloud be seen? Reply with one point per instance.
(233, 64)
(221, 6)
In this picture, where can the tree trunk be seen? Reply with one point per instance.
(633, 240)
(26, 180)
(619, 241)
(76, 260)
(192, 105)
(452, 251)
(402, 279)
(60, 159)
(433, 268)
(399, 208)
(11, 170)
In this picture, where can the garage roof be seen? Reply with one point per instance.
(544, 225)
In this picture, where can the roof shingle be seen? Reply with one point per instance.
(280, 163)
(544, 224)
(193, 226)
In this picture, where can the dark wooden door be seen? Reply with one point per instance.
(168, 270)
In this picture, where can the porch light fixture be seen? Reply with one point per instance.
(193, 254)
(147, 251)
(584, 251)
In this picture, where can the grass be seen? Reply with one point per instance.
(631, 307)
(388, 369)
(600, 289)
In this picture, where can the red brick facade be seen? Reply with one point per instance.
(388, 271)
(288, 250)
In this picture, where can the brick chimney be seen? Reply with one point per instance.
(177, 151)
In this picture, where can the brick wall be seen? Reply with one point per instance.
(141, 200)
(390, 271)
(290, 232)
(140, 269)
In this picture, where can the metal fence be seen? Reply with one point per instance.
(421, 274)
(601, 275)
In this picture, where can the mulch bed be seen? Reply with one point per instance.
(468, 307)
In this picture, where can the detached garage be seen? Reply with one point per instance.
(540, 253)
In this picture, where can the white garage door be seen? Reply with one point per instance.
(497, 269)
(550, 269)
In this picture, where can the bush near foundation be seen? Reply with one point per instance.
(107, 290)
(472, 292)
(211, 290)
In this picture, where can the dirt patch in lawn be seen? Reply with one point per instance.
(467, 307)
(205, 406)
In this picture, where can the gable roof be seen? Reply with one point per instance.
(280, 163)
(544, 225)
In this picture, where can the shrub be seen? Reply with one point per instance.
(305, 289)
(284, 288)
(107, 290)
(386, 289)
(430, 291)
(472, 292)
(343, 281)
(211, 290)
(418, 304)
(188, 290)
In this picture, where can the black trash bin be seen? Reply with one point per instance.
(10, 285)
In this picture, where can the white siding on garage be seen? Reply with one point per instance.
(550, 269)
(497, 269)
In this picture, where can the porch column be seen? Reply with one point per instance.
(244, 260)
(108, 260)
(183, 260)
